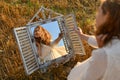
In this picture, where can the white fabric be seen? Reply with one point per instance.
(102, 65)
(92, 41)
(61, 50)
(50, 53)
(91, 69)
(113, 55)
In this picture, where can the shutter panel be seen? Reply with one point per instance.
(74, 38)
(26, 50)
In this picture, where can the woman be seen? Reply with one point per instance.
(104, 64)
(47, 50)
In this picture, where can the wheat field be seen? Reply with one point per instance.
(16, 13)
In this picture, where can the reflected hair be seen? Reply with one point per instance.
(41, 35)
(112, 26)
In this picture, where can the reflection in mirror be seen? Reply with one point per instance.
(48, 41)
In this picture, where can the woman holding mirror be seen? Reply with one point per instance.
(104, 64)
(47, 50)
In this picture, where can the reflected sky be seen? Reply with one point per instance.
(54, 30)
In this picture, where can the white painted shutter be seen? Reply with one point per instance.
(75, 40)
(26, 50)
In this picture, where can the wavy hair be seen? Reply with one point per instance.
(41, 35)
(112, 26)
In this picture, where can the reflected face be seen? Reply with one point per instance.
(37, 32)
(41, 35)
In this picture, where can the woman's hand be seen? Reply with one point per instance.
(81, 34)
(60, 35)
(100, 39)
(57, 40)
(78, 30)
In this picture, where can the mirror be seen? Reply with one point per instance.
(48, 41)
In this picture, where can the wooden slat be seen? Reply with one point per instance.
(28, 60)
(22, 38)
(29, 63)
(27, 53)
(24, 46)
(22, 34)
(29, 57)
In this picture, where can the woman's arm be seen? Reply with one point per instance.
(90, 39)
(56, 41)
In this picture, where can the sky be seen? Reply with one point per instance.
(53, 29)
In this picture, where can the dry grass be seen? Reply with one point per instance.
(15, 13)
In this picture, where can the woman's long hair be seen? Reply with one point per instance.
(41, 35)
(112, 26)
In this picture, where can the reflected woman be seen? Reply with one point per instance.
(47, 50)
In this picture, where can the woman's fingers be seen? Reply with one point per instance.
(100, 39)
(78, 30)
(104, 36)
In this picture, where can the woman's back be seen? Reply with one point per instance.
(113, 59)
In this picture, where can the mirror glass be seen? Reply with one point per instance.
(48, 41)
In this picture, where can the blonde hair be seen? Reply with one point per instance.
(41, 35)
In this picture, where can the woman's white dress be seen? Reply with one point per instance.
(52, 52)
(104, 64)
